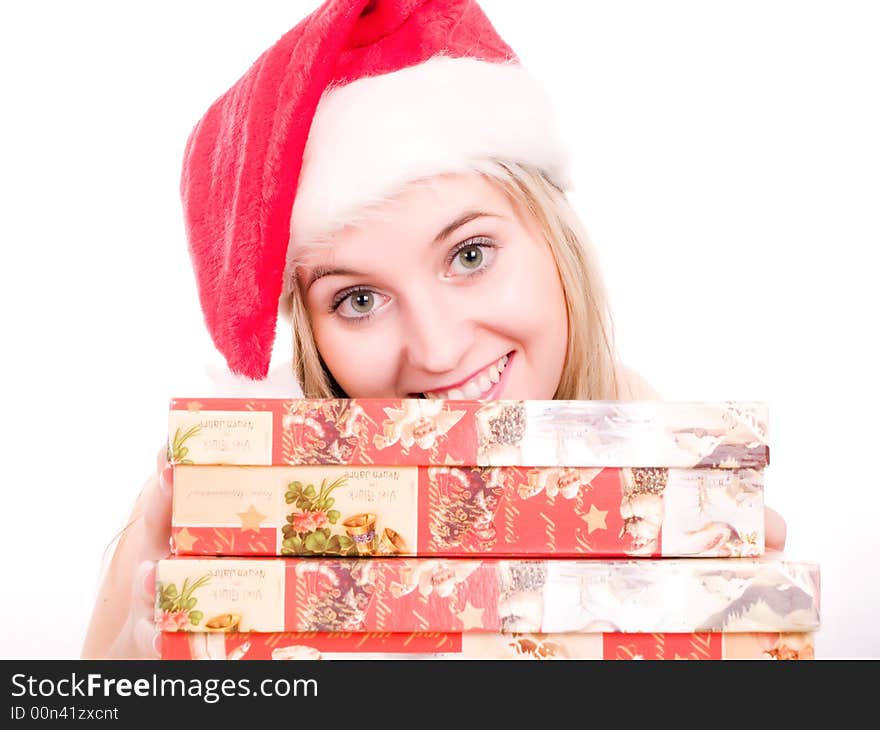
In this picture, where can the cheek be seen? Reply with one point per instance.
(530, 299)
(533, 306)
(360, 361)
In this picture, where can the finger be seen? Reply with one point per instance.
(146, 639)
(156, 520)
(775, 530)
(164, 468)
(144, 585)
(139, 638)
(161, 458)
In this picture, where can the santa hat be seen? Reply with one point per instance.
(360, 98)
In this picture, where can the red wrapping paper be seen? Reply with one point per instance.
(397, 595)
(425, 432)
(459, 511)
(328, 645)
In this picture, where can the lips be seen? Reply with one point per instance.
(476, 387)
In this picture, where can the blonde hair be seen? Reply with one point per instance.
(589, 372)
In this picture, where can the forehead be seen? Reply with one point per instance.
(416, 214)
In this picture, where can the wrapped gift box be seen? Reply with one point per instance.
(462, 511)
(474, 645)
(430, 432)
(669, 595)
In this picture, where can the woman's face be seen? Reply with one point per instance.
(449, 292)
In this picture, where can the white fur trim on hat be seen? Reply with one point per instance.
(280, 382)
(372, 136)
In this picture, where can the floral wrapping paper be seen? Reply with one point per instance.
(404, 595)
(474, 645)
(431, 432)
(459, 511)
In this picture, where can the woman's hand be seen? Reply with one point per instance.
(122, 625)
(774, 530)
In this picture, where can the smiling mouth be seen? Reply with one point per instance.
(476, 387)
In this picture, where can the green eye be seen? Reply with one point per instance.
(362, 302)
(471, 257)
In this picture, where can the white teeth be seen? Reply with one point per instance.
(477, 386)
(472, 390)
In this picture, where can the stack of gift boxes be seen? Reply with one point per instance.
(466, 529)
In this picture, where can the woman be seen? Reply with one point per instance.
(389, 177)
(468, 285)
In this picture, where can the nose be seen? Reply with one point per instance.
(437, 335)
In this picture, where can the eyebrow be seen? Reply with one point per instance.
(319, 272)
(463, 219)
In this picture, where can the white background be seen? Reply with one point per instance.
(728, 168)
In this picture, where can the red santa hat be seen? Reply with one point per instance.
(358, 99)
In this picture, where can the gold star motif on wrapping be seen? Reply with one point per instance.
(471, 617)
(185, 540)
(595, 519)
(251, 519)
